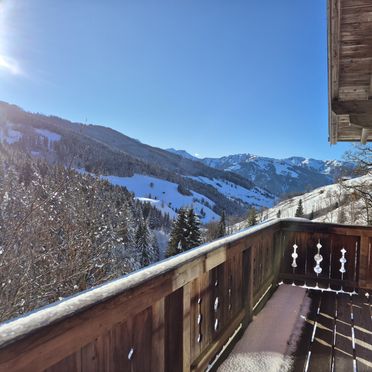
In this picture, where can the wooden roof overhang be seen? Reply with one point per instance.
(350, 70)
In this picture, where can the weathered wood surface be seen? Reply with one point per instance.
(327, 343)
(177, 315)
(356, 240)
(350, 70)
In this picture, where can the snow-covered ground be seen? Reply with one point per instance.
(271, 338)
(164, 195)
(9, 135)
(328, 198)
(255, 196)
(327, 203)
(52, 137)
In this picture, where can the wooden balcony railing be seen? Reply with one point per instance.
(177, 315)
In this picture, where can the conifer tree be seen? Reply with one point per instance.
(300, 209)
(222, 226)
(143, 246)
(311, 215)
(278, 214)
(252, 217)
(177, 242)
(193, 238)
(185, 233)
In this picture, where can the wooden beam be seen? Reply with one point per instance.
(355, 107)
(334, 20)
(364, 136)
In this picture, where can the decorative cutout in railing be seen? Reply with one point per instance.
(215, 307)
(199, 321)
(318, 259)
(294, 256)
(343, 261)
(229, 293)
(131, 353)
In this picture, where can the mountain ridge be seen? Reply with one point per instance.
(107, 152)
(290, 175)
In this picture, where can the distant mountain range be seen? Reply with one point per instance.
(280, 176)
(154, 175)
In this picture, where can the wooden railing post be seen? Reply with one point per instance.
(186, 342)
(248, 284)
(365, 264)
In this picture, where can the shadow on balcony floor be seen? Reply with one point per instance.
(306, 330)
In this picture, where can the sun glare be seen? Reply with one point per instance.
(7, 63)
(10, 65)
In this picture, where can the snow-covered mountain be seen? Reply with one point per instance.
(280, 176)
(167, 180)
(182, 153)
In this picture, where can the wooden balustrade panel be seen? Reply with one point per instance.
(200, 314)
(299, 259)
(265, 262)
(180, 319)
(233, 279)
(216, 299)
(126, 347)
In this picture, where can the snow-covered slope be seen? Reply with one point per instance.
(182, 153)
(332, 203)
(256, 196)
(165, 195)
(9, 135)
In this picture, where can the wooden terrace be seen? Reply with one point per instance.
(179, 314)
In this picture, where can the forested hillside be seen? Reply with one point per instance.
(103, 151)
(62, 231)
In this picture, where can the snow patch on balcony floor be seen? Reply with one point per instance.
(272, 336)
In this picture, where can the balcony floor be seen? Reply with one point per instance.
(306, 330)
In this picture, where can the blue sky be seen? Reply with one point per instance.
(214, 77)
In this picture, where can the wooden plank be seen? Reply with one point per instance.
(158, 336)
(322, 348)
(301, 354)
(142, 341)
(365, 262)
(343, 347)
(363, 333)
(174, 331)
(72, 364)
(206, 308)
(195, 327)
(186, 342)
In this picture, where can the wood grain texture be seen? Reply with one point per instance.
(350, 69)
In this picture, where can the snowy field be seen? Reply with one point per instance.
(9, 135)
(164, 195)
(255, 196)
(52, 137)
